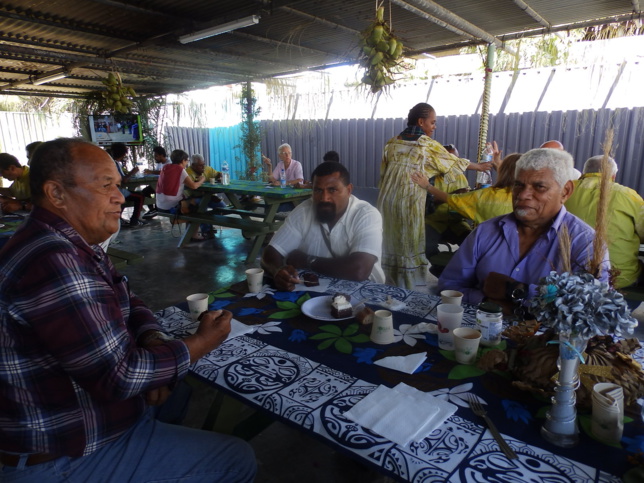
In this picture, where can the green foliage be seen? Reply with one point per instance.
(251, 138)
(290, 309)
(341, 339)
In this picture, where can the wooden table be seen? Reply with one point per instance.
(308, 373)
(253, 224)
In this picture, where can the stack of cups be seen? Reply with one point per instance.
(449, 316)
(607, 422)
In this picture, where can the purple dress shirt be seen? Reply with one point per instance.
(494, 247)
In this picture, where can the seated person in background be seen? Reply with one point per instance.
(553, 144)
(441, 225)
(197, 169)
(328, 156)
(31, 149)
(624, 209)
(149, 191)
(504, 258)
(333, 233)
(482, 204)
(83, 358)
(331, 156)
(119, 154)
(18, 195)
(171, 183)
(292, 168)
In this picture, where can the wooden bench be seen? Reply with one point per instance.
(121, 258)
(248, 227)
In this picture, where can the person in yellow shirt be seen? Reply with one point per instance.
(482, 204)
(196, 169)
(18, 195)
(624, 232)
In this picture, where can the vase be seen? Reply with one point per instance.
(560, 427)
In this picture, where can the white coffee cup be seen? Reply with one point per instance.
(466, 344)
(212, 181)
(382, 331)
(197, 304)
(453, 297)
(255, 278)
(607, 422)
(449, 318)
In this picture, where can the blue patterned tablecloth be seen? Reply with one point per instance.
(309, 373)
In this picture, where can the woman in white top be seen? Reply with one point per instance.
(172, 179)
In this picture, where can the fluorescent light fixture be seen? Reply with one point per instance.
(220, 29)
(54, 76)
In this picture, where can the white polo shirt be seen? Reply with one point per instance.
(359, 230)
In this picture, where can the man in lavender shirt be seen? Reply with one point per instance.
(504, 258)
(292, 168)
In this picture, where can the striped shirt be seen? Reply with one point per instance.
(72, 377)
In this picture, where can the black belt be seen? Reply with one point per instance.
(32, 459)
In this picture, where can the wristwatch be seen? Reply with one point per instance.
(310, 260)
(515, 291)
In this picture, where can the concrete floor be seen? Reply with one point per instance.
(168, 274)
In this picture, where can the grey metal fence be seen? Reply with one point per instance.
(360, 141)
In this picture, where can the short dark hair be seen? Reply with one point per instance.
(330, 167)
(53, 160)
(119, 150)
(7, 160)
(178, 155)
(31, 148)
(159, 150)
(419, 111)
(331, 156)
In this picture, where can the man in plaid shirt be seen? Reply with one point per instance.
(82, 358)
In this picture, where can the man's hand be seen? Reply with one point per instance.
(483, 166)
(494, 285)
(213, 329)
(496, 156)
(286, 278)
(158, 396)
(266, 160)
(9, 205)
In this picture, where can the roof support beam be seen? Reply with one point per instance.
(441, 13)
(533, 13)
(279, 43)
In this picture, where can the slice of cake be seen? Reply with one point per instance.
(310, 279)
(341, 306)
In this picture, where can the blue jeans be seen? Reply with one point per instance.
(151, 451)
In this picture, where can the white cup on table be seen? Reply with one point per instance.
(382, 331)
(607, 421)
(453, 297)
(255, 278)
(197, 304)
(466, 344)
(449, 318)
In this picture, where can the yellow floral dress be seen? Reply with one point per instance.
(402, 204)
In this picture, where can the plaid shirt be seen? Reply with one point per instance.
(72, 377)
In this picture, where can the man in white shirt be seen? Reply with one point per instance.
(292, 168)
(334, 233)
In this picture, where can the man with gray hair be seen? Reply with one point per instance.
(292, 168)
(504, 258)
(625, 205)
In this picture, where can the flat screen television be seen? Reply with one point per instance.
(105, 129)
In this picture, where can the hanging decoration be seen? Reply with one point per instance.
(117, 95)
(380, 54)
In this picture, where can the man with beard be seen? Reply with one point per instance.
(334, 233)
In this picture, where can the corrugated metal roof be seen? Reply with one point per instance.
(139, 38)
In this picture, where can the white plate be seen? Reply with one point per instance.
(319, 308)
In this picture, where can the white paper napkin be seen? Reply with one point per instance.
(407, 364)
(392, 304)
(237, 329)
(402, 414)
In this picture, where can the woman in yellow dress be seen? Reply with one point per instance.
(482, 204)
(402, 202)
